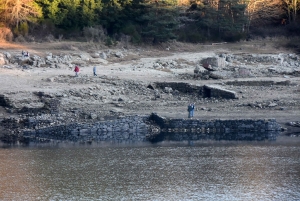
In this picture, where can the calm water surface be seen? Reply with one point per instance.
(204, 171)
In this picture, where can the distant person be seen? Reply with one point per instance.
(76, 70)
(94, 71)
(27, 54)
(189, 110)
(23, 53)
(192, 109)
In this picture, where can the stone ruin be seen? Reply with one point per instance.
(226, 66)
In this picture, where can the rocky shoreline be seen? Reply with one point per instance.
(40, 91)
(152, 128)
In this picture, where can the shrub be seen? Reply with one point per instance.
(30, 38)
(50, 38)
(234, 37)
(293, 29)
(131, 30)
(109, 41)
(20, 39)
(6, 34)
(269, 31)
(294, 44)
(24, 28)
(94, 33)
(190, 36)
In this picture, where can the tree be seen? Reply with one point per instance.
(114, 14)
(291, 7)
(263, 12)
(88, 12)
(160, 20)
(70, 14)
(16, 12)
(231, 16)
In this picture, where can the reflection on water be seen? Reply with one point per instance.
(235, 136)
(165, 171)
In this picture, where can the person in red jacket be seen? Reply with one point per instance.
(76, 70)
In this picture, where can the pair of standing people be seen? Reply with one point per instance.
(76, 70)
(191, 108)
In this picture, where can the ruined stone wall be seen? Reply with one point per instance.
(4, 101)
(219, 126)
(131, 128)
(203, 91)
(258, 83)
(218, 92)
(139, 129)
(180, 86)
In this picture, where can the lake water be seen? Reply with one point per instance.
(202, 170)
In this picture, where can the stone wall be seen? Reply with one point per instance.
(181, 87)
(218, 92)
(131, 128)
(258, 83)
(224, 126)
(156, 128)
(4, 101)
(203, 91)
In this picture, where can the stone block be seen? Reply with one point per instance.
(218, 92)
(218, 62)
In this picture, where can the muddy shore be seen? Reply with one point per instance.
(265, 81)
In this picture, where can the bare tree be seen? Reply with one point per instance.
(291, 7)
(262, 12)
(14, 12)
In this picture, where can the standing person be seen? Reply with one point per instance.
(76, 70)
(23, 53)
(192, 109)
(189, 110)
(94, 71)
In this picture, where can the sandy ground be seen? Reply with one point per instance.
(18, 84)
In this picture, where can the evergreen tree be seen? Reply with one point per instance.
(113, 15)
(88, 13)
(159, 22)
(231, 15)
(69, 14)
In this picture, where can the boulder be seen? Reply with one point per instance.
(168, 89)
(220, 74)
(95, 55)
(85, 57)
(272, 105)
(103, 55)
(2, 59)
(51, 79)
(119, 54)
(214, 62)
(8, 55)
(93, 116)
(199, 69)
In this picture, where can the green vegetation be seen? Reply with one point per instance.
(149, 21)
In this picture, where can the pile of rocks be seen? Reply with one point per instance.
(227, 66)
(57, 61)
